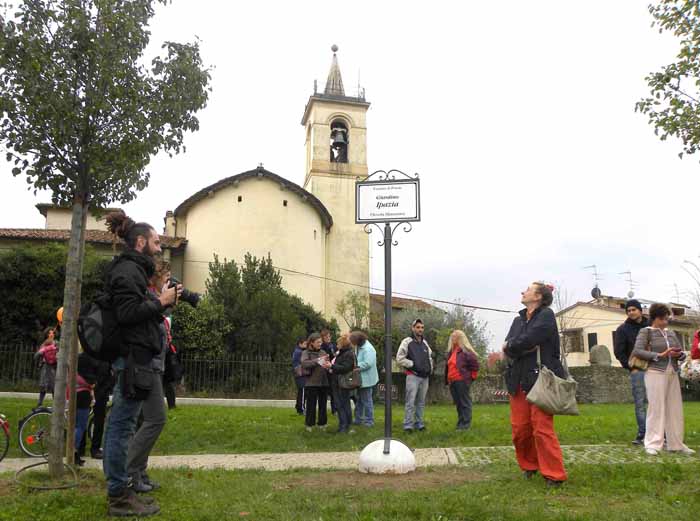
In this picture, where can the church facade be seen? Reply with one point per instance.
(310, 231)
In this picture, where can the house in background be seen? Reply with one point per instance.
(57, 229)
(587, 324)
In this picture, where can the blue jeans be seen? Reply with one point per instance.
(639, 393)
(121, 426)
(416, 391)
(81, 422)
(364, 408)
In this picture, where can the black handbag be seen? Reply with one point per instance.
(351, 379)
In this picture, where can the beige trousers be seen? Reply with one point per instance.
(665, 410)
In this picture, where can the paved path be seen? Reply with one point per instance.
(462, 456)
(221, 402)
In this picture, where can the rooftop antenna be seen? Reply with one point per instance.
(676, 294)
(633, 284)
(595, 292)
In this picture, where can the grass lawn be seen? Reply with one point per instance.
(655, 492)
(213, 430)
(636, 491)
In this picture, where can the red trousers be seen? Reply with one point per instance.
(536, 443)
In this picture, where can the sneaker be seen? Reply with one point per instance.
(652, 452)
(408, 430)
(78, 460)
(638, 441)
(322, 427)
(129, 505)
(97, 454)
(421, 428)
(528, 474)
(148, 481)
(552, 483)
(309, 429)
(136, 484)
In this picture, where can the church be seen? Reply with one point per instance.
(309, 231)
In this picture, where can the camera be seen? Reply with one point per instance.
(191, 297)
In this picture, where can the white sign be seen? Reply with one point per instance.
(387, 201)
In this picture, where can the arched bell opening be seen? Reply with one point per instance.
(340, 140)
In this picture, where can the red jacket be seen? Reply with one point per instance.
(467, 364)
(695, 351)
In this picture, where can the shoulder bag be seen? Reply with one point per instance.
(638, 363)
(351, 379)
(552, 394)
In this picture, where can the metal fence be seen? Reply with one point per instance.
(18, 370)
(244, 376)
(237, 376)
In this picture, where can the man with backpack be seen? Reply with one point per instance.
(139, 314)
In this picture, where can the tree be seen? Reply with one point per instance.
(354, 310)
(32, 277)
(82, 116)
(673, 106)
(246, 310)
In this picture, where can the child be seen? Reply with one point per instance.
(48, 354)
(86, 379)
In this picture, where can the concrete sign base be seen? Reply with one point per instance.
(400, 459)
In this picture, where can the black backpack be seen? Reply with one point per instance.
(98, 330)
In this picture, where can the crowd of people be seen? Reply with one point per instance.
(345, 373)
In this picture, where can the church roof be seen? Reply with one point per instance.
(258, 173)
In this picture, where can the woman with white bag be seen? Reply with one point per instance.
(536, 444)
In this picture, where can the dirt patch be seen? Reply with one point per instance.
(6, 487)
(418, 480)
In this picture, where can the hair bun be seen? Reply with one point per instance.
(119, 223)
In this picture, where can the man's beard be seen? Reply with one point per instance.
(147, 251)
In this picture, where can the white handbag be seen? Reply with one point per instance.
(552, 394)
(690, 369)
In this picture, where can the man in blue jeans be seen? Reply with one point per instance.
(415, 356)
(139, 314)
(367, 363)
(624, 339)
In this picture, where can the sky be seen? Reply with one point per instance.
(518, 117)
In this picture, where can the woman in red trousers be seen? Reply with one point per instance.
(536, 445)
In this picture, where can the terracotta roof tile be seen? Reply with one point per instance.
(93, 236)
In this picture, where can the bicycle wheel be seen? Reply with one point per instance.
(4, 445)
(34, 434)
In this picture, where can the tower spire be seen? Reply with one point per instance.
(334, 83)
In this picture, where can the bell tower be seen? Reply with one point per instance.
(336, 156)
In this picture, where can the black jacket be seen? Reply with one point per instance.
(624, 339)
(541, 330)
(344, 361)
(138, 312)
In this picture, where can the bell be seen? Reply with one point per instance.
(338, 138)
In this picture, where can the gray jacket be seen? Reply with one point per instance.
(317, 376)
(650, 342)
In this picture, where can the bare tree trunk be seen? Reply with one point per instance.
(71, 306)
(73, 358)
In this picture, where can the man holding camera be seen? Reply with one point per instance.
(139, 314)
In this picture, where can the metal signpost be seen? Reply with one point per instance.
(392, 198)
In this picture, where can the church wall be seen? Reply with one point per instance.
(294, 235)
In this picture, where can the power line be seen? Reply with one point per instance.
(459, 304)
